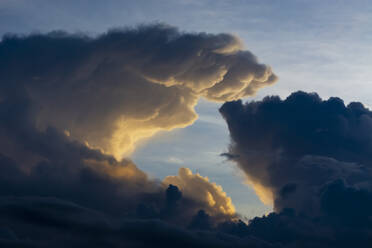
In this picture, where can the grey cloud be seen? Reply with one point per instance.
(114, 89)
(68, 103)
(312, 157)
(301, 143)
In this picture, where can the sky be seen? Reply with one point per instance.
(312, 46)
(316, 46)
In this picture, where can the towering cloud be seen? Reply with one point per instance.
(313, 159)
(72, 105)
(68, 103)
(301, 151)
(115, 89)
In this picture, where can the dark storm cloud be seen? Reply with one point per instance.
(68, 102)
(301, 143)
(312, 157)
(76, 196)
(63, 168)
(124, 85)
(56, 189)
(49, 222)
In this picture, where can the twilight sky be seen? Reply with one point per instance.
(92, 95)
(317, 46)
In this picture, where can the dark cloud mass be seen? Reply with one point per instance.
(48, 222)
(72, 105)
(312, 158)
(72, 195)
(56, 191)
(125, 85)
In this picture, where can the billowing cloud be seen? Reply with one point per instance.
(300, 142)
(312, 159)
(68, 170)
(69, 103)
(294, 147)
(56, 191)
(125, 85)
(69, 188)
(198, 188)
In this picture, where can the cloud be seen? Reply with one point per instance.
(72, 194)
(312, 159)
(71, 105)
(120, 87)
(50, 222)
(69, 170)
(210, 195)
(297, 145)
(62, 97)
(175, 160)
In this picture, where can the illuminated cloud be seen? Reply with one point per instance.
(199, 189)
(264, 193)
(72, 194)
(70, 102)
(71, 171)
(120, 87)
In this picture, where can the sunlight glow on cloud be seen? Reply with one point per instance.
(81, 104)
(201, 190)
(264, 194)
(125, 85)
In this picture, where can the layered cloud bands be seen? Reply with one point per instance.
(120, 87)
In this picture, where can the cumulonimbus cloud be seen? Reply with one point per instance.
(62, 96)
(293, 150)
(115, 89)
(312, 159)
(70, 103)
